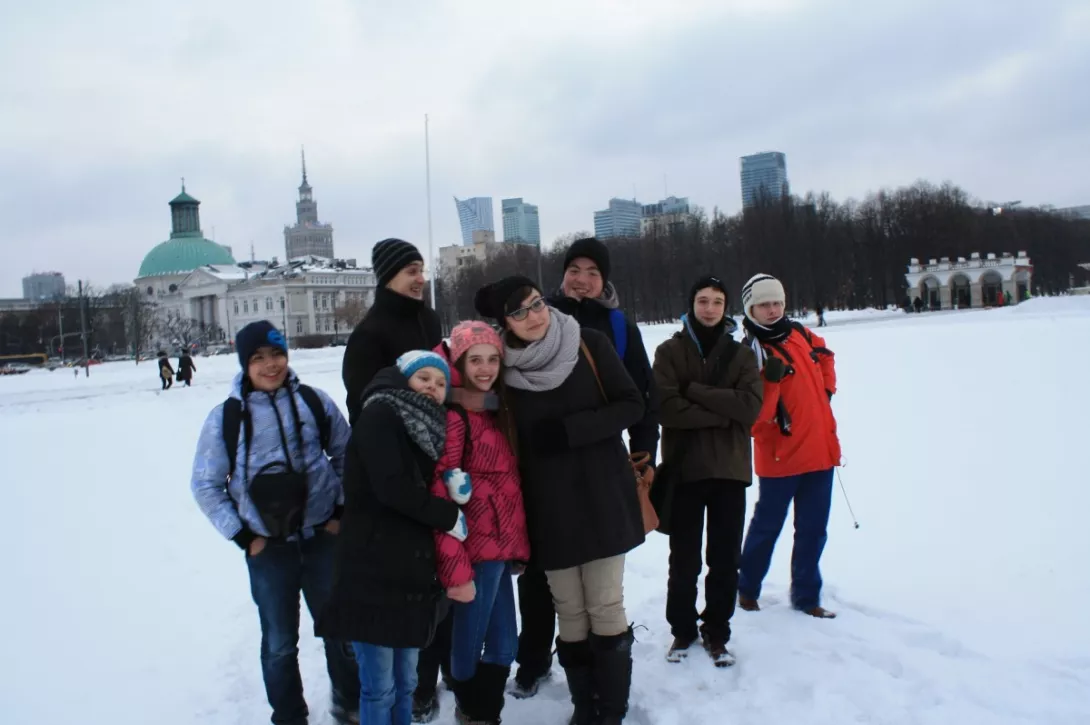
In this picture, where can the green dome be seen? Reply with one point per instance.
(182, 255)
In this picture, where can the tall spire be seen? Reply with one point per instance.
(303, 154)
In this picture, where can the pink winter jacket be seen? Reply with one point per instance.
(495, 513)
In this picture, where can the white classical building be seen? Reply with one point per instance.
(300, 298)
(974, 282)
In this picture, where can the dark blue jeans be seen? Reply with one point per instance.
(487, 623)
(813, 495)
(387, 681)
(277, 575)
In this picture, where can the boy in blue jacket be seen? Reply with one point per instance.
(267, 474)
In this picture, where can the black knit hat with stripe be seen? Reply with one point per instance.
(390, 256)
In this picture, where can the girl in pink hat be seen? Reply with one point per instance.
(479, 471)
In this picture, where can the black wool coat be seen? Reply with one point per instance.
(581, 502)
(385, 589)
(394, 325)
(643, 435)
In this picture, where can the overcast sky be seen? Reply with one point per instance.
(104, 105)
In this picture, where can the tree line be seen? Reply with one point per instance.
(836, 255)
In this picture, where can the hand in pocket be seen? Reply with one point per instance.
(257, 546)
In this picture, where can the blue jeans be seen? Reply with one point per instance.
(277, 575)
(813, 495)
(387, 681)
(487, 623)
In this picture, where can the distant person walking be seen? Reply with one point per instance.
(186, 368)
(166, 372)
(795, 446)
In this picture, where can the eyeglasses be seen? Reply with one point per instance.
(520, 314)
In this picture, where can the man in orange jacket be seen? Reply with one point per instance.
(795, 446)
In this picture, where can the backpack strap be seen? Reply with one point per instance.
(232, 422)
(620, 332)
(317, 409)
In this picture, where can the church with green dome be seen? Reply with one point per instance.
(187, 249)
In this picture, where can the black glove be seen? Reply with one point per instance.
(549, 436)
(775, 369)
(682, 388)
(244, 538)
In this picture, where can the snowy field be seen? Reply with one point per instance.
(962, 597)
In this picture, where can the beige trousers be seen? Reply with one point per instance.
(590, 598)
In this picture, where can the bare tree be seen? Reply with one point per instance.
(350, 312)
(178, 330)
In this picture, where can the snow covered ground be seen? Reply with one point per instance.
(962, 597)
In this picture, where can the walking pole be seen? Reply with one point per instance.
(846, 500)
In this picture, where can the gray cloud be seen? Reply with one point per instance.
(103, 107)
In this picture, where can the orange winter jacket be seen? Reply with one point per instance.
(812, 444)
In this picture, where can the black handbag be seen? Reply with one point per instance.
(280, 499)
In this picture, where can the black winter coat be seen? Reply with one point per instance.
(581, 502)
(385, 590)
(185, 367)
(644, 434)
(394, 325)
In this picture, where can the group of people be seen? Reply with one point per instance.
(499, 452)
(186, 368)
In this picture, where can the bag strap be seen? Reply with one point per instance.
(229, 429)
(593, 369)
(317, 409)
(620, 332)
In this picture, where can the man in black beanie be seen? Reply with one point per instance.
(711, 394)
(587, 295)
(397, 322)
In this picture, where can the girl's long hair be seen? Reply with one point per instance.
(505, 417)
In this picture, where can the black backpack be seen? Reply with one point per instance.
(232, 422)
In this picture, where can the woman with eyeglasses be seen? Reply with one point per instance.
(571, 399)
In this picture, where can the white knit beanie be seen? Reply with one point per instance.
(759, 289)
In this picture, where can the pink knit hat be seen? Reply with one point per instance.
(467, 334)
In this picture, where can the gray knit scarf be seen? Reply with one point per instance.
(547, 363)
(424, 419)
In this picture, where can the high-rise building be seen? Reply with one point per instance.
(766, 171)
(309, 237)
(520, 222)
(621, 219)
(43, 286)
(474, 214)
(665, 216)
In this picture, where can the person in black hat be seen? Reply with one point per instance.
(397, 322)
(711, 394)
(587, 295)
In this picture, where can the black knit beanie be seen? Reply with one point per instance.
(390, 256)
(255, 336)
(705, 283)
(498, 299)
(591, 249)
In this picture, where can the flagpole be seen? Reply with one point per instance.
(431, 250)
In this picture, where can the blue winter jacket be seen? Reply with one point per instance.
(228, 506)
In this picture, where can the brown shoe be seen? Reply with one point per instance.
(820, 613)
(750, 605)
(679, 650)
(717, 650)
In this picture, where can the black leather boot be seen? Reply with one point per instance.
(612, 668)
(578, 663)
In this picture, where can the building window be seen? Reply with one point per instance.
(268, 303)
(315, 301)
(236, 307)
(255, 306)
(173, 288)
(299, 326)
(151, 290)
(246, 306)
